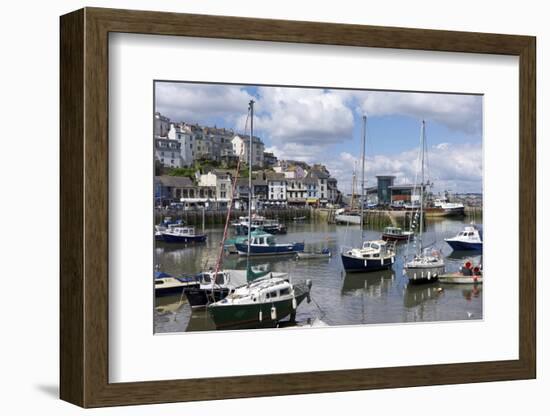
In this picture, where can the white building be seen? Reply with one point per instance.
(221, 181)
(276, 188)
(167, 152)
(182, 134)
(162, 125)
(241, 149)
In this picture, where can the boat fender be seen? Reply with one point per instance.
(273, 313)
(468, 265)
(294, 303)
(392, 260)
(260, 316)
(429, 275)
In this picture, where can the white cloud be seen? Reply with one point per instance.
(195, 102)
(457, 112)
(449, 167)
(305, 116)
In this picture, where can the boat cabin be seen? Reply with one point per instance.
(371, 250)
(182, 230)
(207, 277)
(263, 240)
(393, 231)
(469, 233)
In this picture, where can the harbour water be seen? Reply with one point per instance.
(337, 298)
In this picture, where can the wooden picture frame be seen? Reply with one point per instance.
(84, 207)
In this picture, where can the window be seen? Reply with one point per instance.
(285, 291)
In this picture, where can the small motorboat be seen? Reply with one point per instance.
(229, 244)
(470, 238)
(182, 235)
(167, 284)
(265, 244)
(165, 225)
(468, 274)
(395, 234)
(306, 255)
(258, 222)
(212, 290)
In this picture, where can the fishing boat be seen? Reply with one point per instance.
(443, 208)
(371, 255)
(167, 284)
(212, 289)
(306, 255)
(468, 274)
(264, 244)
(395, 234)
(182, 235)
(427, 263)
(229, 244)
(263, 302)
(470, 238)
(164, 225)
(258, 222)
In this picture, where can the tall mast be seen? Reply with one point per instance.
(250, 190)
(353, 184)
(422, 145)
(363, 173)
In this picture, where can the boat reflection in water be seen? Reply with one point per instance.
(200, 321)
(374, 284)
(464, 255)
(416, 295)
(168, 308)
(423, 303)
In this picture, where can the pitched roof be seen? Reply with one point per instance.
(175, 181)
(274, 176)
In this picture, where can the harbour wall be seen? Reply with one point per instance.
(372, 218)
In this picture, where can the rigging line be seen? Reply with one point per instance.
(414, 191)
(228, 216)
(323, 313)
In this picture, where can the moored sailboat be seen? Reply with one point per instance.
(263, 302)
(427, 263)
(372, 255)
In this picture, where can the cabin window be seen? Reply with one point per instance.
(470, 234)
(159, 282)
(273, 294)
(375, 246)
(284, 291)
(220, 279)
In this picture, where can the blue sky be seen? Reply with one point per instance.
(321, 125)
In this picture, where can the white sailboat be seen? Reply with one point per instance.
(371, 255)
(427, 263)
